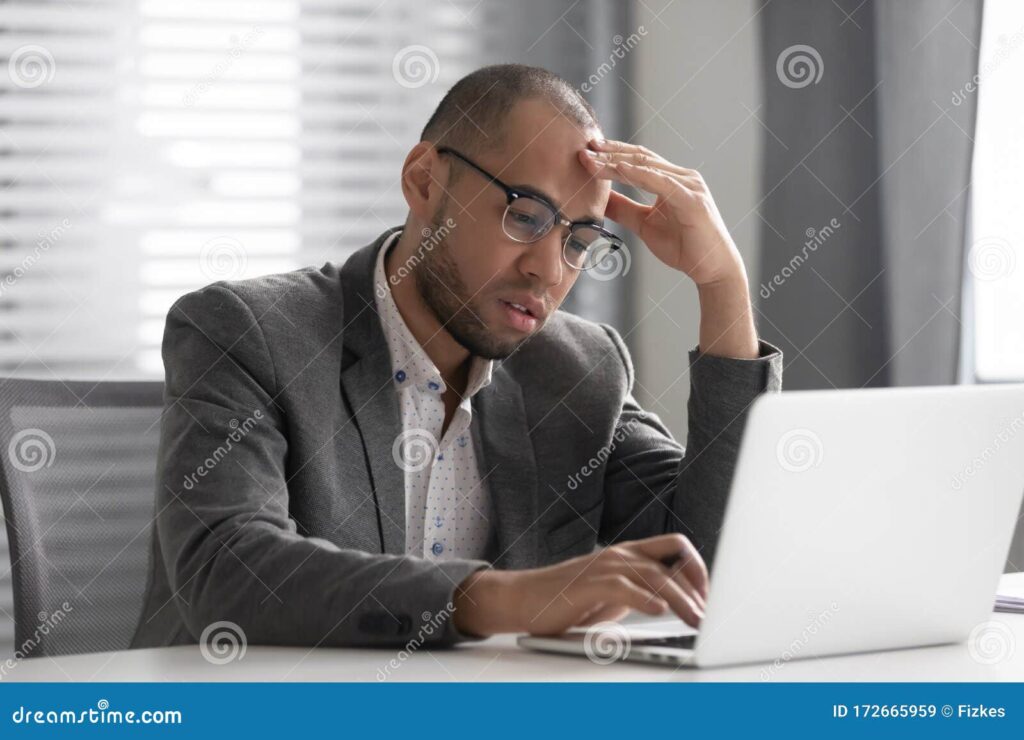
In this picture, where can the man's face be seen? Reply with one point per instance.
(471, 276)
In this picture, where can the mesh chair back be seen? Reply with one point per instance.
(77, 477)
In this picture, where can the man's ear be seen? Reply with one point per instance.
(423, 177)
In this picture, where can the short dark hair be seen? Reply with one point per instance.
(474, 113)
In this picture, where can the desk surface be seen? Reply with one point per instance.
(499, 659)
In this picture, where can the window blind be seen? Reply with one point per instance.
(149, 148)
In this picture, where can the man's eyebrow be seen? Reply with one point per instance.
(595, 220)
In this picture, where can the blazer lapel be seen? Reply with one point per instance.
(506, 461)
(366, 384)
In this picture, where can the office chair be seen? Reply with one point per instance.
(77, 477)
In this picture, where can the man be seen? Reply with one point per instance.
(418, 439)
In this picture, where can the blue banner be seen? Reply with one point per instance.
(449, 711)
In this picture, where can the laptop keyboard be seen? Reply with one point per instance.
(684, 642)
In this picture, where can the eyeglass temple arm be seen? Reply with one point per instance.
(475, 166)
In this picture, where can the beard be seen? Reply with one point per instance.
(442, 289)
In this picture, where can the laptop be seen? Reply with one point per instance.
(858, 520)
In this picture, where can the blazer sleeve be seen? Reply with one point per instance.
(230, 549)
(653, 484)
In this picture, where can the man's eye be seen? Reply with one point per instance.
(524, 218)
(577, 245)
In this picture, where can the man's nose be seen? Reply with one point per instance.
(542, 260)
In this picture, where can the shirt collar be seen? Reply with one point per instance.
(409, 363)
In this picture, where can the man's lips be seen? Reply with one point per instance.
(527, 304)
(518, 316)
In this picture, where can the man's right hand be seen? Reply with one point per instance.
(603, 585)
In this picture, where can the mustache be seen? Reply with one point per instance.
(529, 290)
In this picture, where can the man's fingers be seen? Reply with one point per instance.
(603, 613)
(674, 546)
(626, 211)
(620, 151)
(667, 187)
(691, 565)
(674, 588)
(659, 546)
(694, 571)
(690, 176)
(612, 145)
(616, 589)
(651, 179)
(690, 588)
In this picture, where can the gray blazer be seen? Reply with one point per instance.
(280, 506)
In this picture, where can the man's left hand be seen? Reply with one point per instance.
(683, 227)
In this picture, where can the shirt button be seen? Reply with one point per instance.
(432, 385)
(400, 376)
(437, 548)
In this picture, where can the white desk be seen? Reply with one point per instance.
(499, 659)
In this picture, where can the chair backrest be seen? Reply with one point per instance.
(77, 483)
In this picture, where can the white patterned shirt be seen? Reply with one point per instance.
(447, 505)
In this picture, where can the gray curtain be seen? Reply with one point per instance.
(868, 142)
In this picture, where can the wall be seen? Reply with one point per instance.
(695, 101)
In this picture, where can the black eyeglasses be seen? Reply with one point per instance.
(529, 218)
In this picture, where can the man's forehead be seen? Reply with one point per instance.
(535, 129)
(547, 160)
